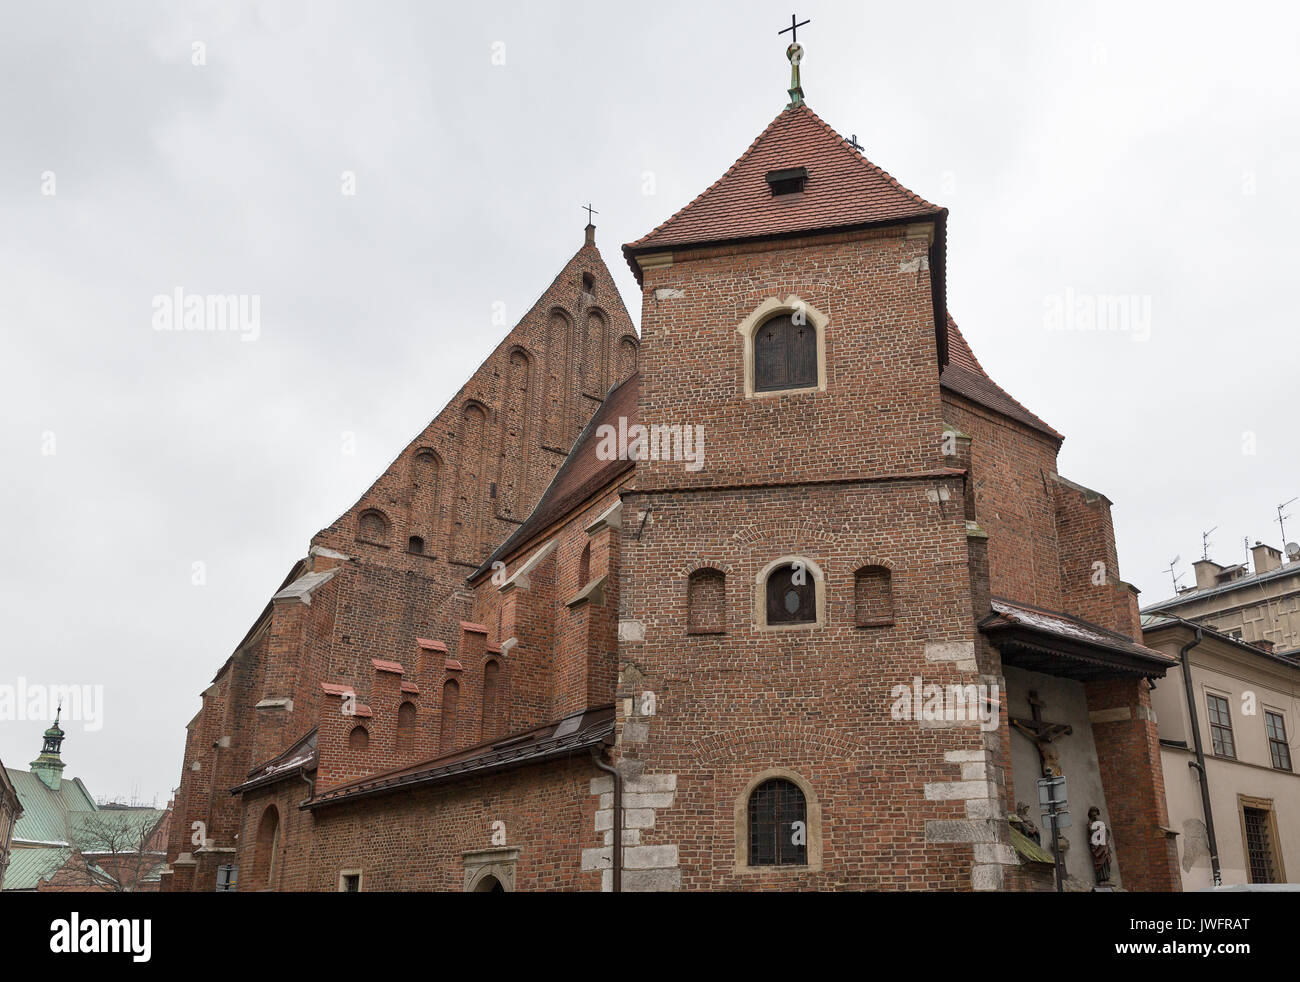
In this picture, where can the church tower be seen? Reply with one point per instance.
(777, 595)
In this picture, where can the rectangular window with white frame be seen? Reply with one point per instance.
(1279, 750)
(1220, 713)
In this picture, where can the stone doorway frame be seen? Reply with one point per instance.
(498, 863)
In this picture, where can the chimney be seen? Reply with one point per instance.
(1266, 558)
(1207, 573)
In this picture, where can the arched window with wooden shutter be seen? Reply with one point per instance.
(785, 354)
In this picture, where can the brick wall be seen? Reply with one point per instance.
(460, 486)
(845, 477)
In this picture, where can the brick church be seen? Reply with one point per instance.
(783, 594)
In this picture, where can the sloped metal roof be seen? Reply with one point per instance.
(30, 866)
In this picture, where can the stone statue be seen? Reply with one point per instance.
(1027, 827)
(1099, 844)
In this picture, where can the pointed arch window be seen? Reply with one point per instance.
(266, 851)
(584, 566)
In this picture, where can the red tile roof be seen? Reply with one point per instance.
(966, 377)
(843, 189)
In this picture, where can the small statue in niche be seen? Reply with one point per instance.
(1099, 845)
(1026, 825)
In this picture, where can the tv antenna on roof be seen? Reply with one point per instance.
(1205, 543)
(1281, 519)
(1174, 576)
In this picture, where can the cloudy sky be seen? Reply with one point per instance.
(158, 485)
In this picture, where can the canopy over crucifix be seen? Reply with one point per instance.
(1043, 735)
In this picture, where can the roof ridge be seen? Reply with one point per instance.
(954, 329)
(727, 173)
(949, 378)
(864, 159)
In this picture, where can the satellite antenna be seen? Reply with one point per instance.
(1206, 543)
(1293, 551)
(1171, 573)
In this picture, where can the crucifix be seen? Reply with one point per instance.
(590, 211)
(1043, 734)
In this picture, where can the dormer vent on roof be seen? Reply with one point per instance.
(788, 181)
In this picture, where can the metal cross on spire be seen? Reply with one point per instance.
(793, 29)
(590, 211)
(795, 54)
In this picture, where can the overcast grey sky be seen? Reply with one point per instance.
(1148, 153)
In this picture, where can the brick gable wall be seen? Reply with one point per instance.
(461, 486)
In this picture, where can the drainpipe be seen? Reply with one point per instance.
(616, 849)
(1199, 764)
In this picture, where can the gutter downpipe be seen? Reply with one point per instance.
(616, 834)
(1199, 764)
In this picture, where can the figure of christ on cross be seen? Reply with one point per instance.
(1043, 734)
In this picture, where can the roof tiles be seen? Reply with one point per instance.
(843, 189)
